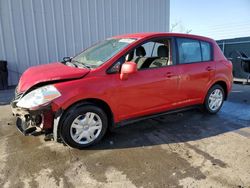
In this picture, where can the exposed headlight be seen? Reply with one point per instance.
(39, 97)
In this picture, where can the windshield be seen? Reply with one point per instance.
(98, 54)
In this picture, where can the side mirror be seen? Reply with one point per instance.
(67, 59)
(128, 68)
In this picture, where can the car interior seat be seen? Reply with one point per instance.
(162, 59)
(140, 56)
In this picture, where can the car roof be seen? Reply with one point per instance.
(161, 34)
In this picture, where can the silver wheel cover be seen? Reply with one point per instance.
(215, 100)
(86, 128)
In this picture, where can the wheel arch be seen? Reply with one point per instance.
(90, 101)
(224, 86)
(221, 83)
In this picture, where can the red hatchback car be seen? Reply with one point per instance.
(118, 81)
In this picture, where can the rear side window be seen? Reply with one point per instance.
(191, 51)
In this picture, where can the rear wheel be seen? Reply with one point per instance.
(214, 99)
(84, 126)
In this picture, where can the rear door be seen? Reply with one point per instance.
(196, 67)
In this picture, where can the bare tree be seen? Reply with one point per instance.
(173, 26)
(188, 30)
(179, 27)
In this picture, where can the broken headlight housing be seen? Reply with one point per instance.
(39, 96)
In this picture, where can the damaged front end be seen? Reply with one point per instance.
(33, 122)
(34, 111)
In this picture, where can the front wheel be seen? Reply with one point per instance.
(84, 126)
(214, 99)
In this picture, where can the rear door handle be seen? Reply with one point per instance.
(209, 68)
(169, 75)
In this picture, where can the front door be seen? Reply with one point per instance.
(154, 87)
(148, 91)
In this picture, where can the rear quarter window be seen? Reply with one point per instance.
(206, 51)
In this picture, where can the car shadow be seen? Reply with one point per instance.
(175, 128)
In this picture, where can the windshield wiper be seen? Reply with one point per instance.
(86, 65)
(78, 64)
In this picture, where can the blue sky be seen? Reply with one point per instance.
(219, 19)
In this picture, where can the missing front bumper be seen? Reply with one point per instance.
(24, 128)
(36, 122)
(33, 122)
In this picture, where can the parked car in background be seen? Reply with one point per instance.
(118, 81)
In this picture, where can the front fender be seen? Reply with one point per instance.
(84, 89)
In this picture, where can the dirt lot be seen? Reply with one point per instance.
(188, 149)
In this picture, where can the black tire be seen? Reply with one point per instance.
(206, 102)
(72, 114)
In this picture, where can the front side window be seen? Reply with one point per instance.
(189, 50)
(98, 54)
(152, 54)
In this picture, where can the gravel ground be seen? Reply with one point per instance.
(189, 149)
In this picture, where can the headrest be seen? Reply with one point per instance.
(129, 56)
(140, 51)
(162, 51)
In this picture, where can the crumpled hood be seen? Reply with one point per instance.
(49, 72)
